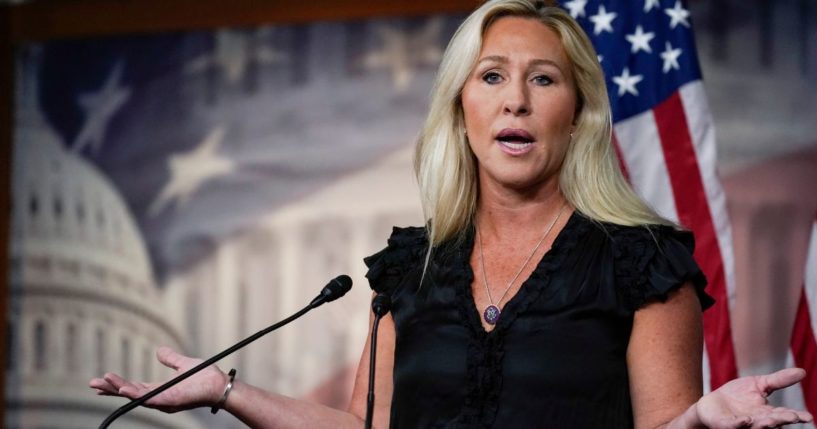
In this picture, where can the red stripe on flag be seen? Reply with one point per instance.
(620, 157)
(693, 212)
(621, 163)
(804, 350)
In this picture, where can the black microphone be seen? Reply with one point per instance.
(332, 291)
(381, 304)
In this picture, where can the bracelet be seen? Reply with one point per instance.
(220, 404)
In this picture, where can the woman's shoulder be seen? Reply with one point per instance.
(405, 250)
(650, 261)
(655, 236)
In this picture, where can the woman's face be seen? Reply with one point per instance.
(519, 104)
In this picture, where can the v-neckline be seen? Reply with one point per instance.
(509, 310)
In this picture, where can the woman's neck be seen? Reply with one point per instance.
(508, 214)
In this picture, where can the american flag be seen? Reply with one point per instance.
(803, 344)
(665, 140)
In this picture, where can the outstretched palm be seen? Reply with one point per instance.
(742, 403)
(200, 390)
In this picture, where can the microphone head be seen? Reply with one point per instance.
(381, 304)
(340, 285)
(333, 290)
(336, 288)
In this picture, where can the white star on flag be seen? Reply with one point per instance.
(233, 54)
(603, 20)
(99, 109)
(188, 171)
(677, 15)
(402, 52)
(650, 4)
(576, 7)
(670, 57)
(640, 40)
(626, 83)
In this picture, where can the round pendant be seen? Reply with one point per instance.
(491, 314)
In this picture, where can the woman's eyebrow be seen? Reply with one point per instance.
(494, 58)
(546, 62)
(504, 60)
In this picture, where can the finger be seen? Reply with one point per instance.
(170, 358)
(777, 417)
(803, 416)
(131, 391)
(124, 387)
(101, 384)
(101, 392)
(115, 380)
(780, 379)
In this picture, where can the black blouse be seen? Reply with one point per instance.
(557, 356)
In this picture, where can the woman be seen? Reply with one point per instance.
(515, 166)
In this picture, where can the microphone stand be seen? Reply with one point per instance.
(324, 297)
(381, 304)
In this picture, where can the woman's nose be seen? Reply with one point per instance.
(516, 99)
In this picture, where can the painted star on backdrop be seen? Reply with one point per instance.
(603, 21)
(650, 4)
(190, 170)
(402, 52)
(640, 41)
(626, 83)
(99, 108)
(677, 15)
(233, 53)
(576, 8)
(670, 57)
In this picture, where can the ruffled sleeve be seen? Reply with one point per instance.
(405, 250)
(650, 263)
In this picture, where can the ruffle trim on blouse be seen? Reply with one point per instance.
(486, 349)
(649, 264)
(387, 268)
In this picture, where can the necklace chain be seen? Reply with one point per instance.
(489, 316)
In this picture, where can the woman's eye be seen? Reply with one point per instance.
(491, 77)
(542, 80)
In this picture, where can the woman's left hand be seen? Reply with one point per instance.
(742, 403)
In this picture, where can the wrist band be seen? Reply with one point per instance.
(220, 404)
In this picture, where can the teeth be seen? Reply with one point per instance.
(516, 146)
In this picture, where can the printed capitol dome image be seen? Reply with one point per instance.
(82, 296)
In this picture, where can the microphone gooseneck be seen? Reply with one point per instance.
(335, 289)
(381, 305)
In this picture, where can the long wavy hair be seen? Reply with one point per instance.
(590, 177)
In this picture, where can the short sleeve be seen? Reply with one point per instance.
(405, 250)
(650, 262)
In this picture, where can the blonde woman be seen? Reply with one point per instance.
(542, 292)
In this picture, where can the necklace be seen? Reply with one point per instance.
(492, 311)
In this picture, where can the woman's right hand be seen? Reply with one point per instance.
(200, 390)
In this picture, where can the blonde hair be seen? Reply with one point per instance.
(590, 177)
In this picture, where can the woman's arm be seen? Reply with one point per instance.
(664, 358)
(258, 408)
(664, 363)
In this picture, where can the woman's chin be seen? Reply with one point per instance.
(522, 184)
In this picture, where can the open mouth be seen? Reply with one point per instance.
(515, 140)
